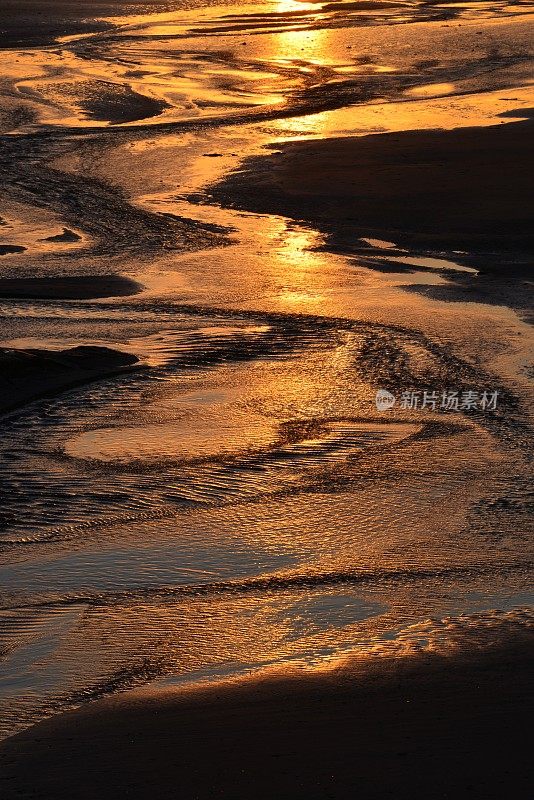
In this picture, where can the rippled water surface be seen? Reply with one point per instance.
(238, 500)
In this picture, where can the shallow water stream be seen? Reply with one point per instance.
(240, 501)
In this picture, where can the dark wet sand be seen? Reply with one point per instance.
(465, 189)
(10, 249)
(67, 237)
(29, 374)
(121, 104)
(65, 287)
(427, 727)
(40, 22)
(420, 728)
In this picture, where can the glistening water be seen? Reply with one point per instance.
(239, 500)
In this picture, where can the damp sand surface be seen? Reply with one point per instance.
(68, 287)
(465, 189)
(32, 373)
(413, 725)
(229, 570)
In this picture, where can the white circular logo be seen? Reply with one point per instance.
(384, 400)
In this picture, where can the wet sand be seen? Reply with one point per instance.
(127, 563)
(421, 726)
(40, 23)
(29, 374)
(463, 189)
(68, 287)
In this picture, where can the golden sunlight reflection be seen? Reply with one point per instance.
(307, 51)
(301, 273)
(305, 45)
(200, 310)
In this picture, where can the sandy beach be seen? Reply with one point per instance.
(29, 374)
(77, 287)
(433, 190)
(39, 22)
(266, 410)
(401, 727)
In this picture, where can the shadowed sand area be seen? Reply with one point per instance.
(31, 21)
(460, 189)
(421, 726)
(226, 571)
(28, 374)
(68, 287)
